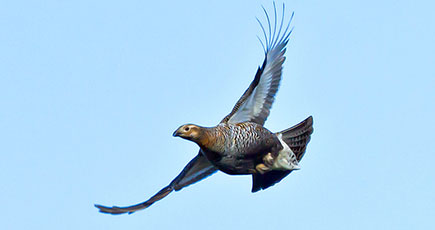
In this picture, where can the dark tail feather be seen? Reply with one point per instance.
(297, 138)
(263, 181)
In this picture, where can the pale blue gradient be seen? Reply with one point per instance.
(90, 93)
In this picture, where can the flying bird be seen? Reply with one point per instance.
(240, 144)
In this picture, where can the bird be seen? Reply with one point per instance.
(240, 144)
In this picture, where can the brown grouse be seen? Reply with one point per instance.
(239, 144)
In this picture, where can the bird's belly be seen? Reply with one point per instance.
(233, 166)
(231, 162)
(234, 163)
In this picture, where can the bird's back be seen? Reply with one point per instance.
(239, 147)
(247, 138)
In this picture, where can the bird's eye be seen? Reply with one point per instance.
(186, 129)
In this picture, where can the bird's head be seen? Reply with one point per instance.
(189, 132)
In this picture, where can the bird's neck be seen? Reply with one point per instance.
(209, 139)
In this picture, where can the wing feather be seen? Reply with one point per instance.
(197, 169)
(256, 102)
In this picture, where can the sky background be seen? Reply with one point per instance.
(91, 91)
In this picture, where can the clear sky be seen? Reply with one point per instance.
(90, 93)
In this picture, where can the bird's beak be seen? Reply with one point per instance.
(176, 133)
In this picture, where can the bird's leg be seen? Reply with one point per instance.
(268, 159)
(262, 169)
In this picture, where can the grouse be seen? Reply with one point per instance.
(239, 144)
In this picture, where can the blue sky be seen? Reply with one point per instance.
(90, 93)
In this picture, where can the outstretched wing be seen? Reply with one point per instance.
(197, 169)
(255, 103)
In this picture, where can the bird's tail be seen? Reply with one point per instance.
(298, 136)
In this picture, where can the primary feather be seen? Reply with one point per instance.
(256, 102)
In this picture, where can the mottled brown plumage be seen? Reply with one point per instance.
(239, 144)
(233, 148)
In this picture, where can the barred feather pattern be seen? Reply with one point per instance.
(241, 139)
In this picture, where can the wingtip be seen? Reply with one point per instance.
(310, 122)
(110, 210)
(310, 119)
(98, 206)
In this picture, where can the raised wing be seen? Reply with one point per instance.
(255, 103)
(197, 169)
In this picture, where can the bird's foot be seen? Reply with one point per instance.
(262, 168)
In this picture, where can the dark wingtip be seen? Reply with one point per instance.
(310, 119)
(110, 210)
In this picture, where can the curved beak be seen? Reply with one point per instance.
(176, 133)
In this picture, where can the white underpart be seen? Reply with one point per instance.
(286, 159)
